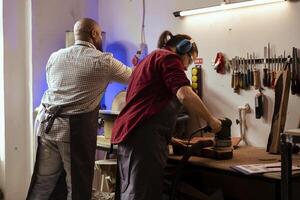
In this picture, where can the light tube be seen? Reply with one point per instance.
(224, 7)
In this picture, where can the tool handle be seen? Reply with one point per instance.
(269, 78)
(225, 129)
(251, 78)
(256, 79)
(245, 81)
(273, 76)
(236, 82)
(248, 77)
(294, 86)
(265, 77)
(241, 85)
(259, 111)
(232, 80)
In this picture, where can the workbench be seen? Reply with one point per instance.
(205, 172)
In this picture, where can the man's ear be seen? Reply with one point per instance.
(94, 33)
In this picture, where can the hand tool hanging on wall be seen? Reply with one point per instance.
(259, 108)
(232, 72)
(248, 71)
(251, 73)
(265, 69)
(245, 80)
(256, 75)
(269, 66)
(219, 64)
(273, 71)
(236, 77)
(293, 74)
(282, 88)
(283, 61)
(241, 83)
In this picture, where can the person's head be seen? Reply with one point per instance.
(180, 44)
(88, 30)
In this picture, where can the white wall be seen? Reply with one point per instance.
(2, 128)
(17, 98)
(233, 32)
(50, 20)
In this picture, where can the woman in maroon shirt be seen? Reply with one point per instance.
(157, 89)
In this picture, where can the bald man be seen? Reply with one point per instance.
(66, 124)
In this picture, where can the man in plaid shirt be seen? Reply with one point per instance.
(66, 124)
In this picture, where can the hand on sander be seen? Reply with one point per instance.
(223, 137)
(222, 148)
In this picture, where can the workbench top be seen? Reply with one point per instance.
(241, 156)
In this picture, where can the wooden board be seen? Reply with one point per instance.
(282, 89)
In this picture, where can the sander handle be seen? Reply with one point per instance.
(224, 132)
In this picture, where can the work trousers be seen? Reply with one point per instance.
(64, 171)
(54, 157)
(143, 155)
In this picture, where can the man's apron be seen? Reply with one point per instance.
(83, 130)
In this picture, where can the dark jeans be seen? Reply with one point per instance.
(143, 155)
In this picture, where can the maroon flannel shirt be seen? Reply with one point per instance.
(154, 82)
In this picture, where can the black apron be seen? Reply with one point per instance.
(142, 156)
(83, 133)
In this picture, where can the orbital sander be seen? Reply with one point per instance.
(218, 148)
(222, 147)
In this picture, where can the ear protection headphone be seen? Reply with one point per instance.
(184, 46)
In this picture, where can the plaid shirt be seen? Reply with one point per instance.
(76, 78)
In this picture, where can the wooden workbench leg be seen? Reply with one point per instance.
(286, 168)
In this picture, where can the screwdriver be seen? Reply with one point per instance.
(251, 73)
(265, 70)
(269, 66)
(248, 71)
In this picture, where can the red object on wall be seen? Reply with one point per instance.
(220, 63)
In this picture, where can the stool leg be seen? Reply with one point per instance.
(118, 184)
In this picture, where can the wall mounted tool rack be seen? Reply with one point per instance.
(246, 72)
(261, 61)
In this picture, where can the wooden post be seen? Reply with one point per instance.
(282, 89)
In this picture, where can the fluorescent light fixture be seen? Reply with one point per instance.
(224, 6)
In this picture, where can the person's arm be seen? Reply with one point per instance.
(195, 106)
(177, 82)
(119, 72)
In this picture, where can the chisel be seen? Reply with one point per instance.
(236, 77)
(241, 84)
(256, 74)
(248, 71)
(232, 74)
(251, 73)
(265, 70)
(245, 81)
(283, 61)
(273, 71)
(269, 66)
